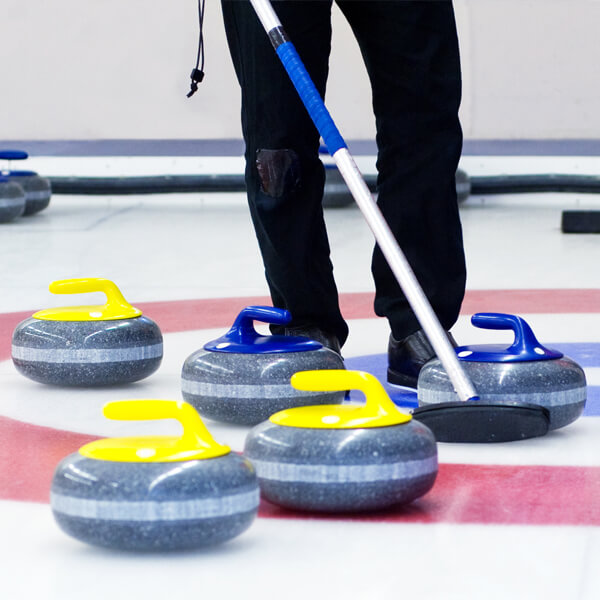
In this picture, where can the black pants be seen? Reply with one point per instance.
(410, 50)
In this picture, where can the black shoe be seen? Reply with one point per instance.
(328, 340)
(406, 358)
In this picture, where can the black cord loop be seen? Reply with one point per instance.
(197, 74)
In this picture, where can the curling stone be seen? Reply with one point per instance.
(87, 345)
(342, 458)
(12, 199)
(525, 372)
(244, 377)
(155, 493)
(37, 189)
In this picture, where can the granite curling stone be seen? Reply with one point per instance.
(155, 493)
(38, 189)
(342, 458)
(244, 377)
(12, 200)
(524, 372)
(87, 345)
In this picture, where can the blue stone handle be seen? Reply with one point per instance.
(13, 155)
(242, 338)
(243, 330)
(525, 346)
(310, 97)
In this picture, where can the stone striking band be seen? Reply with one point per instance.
(122, 510)
(277, 471)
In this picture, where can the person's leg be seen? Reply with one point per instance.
(411, 54)
(284, 175)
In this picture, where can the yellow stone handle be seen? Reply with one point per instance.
(338, 380)
(195, 443)
(195, 434)
(115, 301)
(378, 411)
(116, 306)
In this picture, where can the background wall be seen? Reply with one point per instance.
(103, 69)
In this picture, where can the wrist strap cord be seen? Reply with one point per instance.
(197, 74)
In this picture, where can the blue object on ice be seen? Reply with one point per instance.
(242, 338)
(524, 348)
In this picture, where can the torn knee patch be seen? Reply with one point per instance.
(278, 170)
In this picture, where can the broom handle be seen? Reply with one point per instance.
(361, 194)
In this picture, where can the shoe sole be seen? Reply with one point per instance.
(396, 378)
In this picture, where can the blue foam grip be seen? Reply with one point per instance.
(310, 97)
